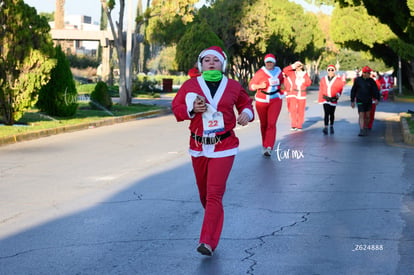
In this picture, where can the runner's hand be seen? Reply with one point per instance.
(199, 105)
(243, 119)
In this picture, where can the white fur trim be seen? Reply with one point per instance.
(189, 101)
(213, 52)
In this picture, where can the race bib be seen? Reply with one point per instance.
(213, 122)
(274, 81)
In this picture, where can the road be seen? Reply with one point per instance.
(122, 200)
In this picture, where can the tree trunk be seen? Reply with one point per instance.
(123, 94)
(7, 110)
(124, 97)
(411, 75)
(314, 72)
(408, 75)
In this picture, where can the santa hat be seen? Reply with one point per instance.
(297, 64)
(217, 52)
(366, 69)
(331, 67)
(270, 58)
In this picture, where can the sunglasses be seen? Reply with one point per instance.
(331, 70)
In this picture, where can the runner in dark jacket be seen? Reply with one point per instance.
(364, 90)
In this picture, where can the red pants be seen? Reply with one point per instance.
(297, 112)
(288, 100)
(385, 95)
(371, 117)
(211, 176)
(268, 115)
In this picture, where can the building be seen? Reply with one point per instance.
(81, 23)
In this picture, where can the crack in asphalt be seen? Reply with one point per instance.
(5, 220)
(139, 197)
(92, 244)
(250, 251)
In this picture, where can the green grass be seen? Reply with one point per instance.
(405, 93)
(410, 121)
(34, 120)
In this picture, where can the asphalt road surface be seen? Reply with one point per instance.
(122, 199)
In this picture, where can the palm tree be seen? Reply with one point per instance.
(60, 14)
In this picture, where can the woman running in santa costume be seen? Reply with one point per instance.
(300, 81)
(266, 81)
(330, 89)
(208, 101)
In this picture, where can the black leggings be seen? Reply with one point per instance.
(329, 111)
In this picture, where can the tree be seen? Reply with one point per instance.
(100, 98)
(197, 38)
(50, 16)
(58, 97)
(250, 29)
(385, 29)
(164, 62)
(120, 46)
(166, 11)
(25, 58)
(398, 16)
(163, 9)
(167, 23)
(117, 32)
(247, 29)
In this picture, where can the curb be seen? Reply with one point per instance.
(405, 130)
(399, 99)
(81, 126)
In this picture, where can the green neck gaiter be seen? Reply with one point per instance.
(213, 75)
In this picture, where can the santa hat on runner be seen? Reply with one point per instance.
(217, 52)
(366, 69)
(331, 67)
(270, 58)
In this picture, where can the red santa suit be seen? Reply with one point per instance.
(229, 93)
(300, 81)
(386, 84)
(374, 106)
(268, 100)
(330, 89)
(213, 143)
(288, 91)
